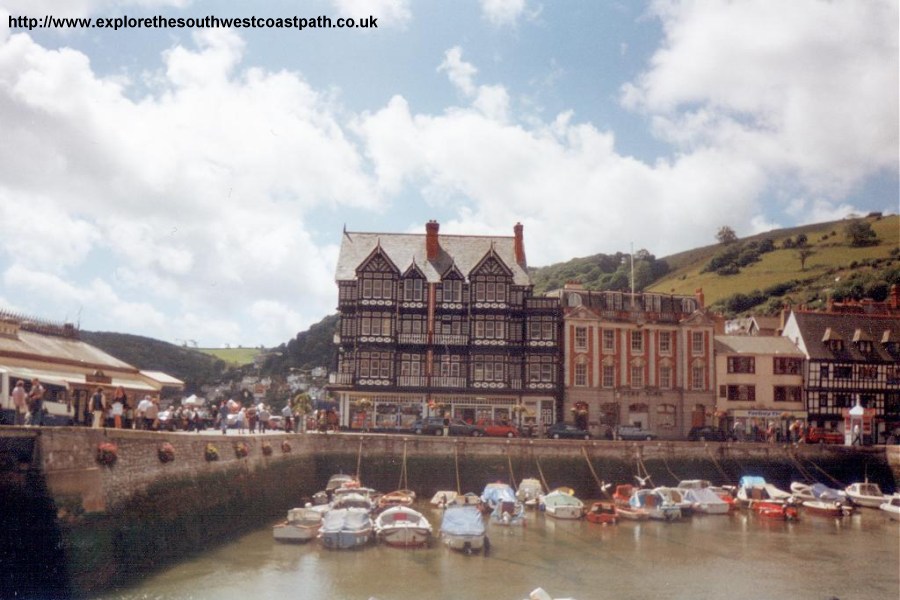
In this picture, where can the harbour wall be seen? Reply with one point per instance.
(75, 526)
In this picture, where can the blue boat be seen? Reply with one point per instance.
(344, 528)
(462, 528)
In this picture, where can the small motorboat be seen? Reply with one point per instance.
(826, 508)
(443, 498)
(706, 501)
(508, 512)
(632, 513)
(752, 488)
(462, 527)
(866, 494)
(396, 498)
(530, 491)
(402, 527)
(603, 513)
(655, 504)
(353, 497)
(561, 503)
(495, 493)
(338, 480)
(817, 491)
(674, 496)
(622, 495)
(301, 525)
(777, 511)
(892, 507)
(344, 528)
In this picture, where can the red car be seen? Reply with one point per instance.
(494, 428)
(818, 435)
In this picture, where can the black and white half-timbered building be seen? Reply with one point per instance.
(442, 325)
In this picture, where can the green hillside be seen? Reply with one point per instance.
(236, 357)
(758, 273)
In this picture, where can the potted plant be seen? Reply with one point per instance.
(241, 450)
(285, 447)
(107, 453)
(266, 449)
(211, 453)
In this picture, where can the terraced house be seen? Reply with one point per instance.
(442, 325)
(640, 359)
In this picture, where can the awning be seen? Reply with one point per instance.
(67, 379)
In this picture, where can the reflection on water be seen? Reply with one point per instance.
(735, 557)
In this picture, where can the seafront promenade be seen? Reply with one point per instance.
(98, 499)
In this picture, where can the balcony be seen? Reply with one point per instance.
(411, 381)
(340, 378)
(448, 382)
(412, 338)
(446, 339)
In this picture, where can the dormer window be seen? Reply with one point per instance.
(832, 340)
(413, 290)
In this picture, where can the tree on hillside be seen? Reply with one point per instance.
(803, 254)
(726, 235)
(860, 233)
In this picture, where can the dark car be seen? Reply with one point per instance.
(456, 427)
(706, 434)
(561, 430)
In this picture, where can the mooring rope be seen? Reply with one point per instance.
(404, 481)
(456, 459)
(674, 476)
(717, 465)
(820, 470)
(800, 468)
(541, 473)
(643, 473)
(593, 472)
(512, 475)
(359, 460)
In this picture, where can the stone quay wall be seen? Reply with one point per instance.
(104, 526)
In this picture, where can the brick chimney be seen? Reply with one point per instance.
(519, 244)
(432, 246)
(698, 293)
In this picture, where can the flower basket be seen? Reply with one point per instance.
(211, 453)
(266, 449)
(285, 447)
(241, 450)
(107, 453)
(166, 452)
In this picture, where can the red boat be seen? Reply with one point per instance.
(775, 510)
(622, 495)
(826, 509)
(603, 513)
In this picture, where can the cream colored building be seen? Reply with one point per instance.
(760, 382)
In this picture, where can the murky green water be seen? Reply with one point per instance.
(735, 557)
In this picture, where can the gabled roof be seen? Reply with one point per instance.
(758, 345)
(818, 328)
(463, 251)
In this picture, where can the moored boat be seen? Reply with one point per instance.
(345, 528)
(396, 498)
(508, 512)
(603, 513)
(561, 503)
(817, 491)
(674, 496)
(443, 498)
(826, 508)
(338, 480)
(706, 501)
(632, 513)
(655, 504)
(622, 495)
(301, 525)
(495, 493)
(892, 507)
(778, 511)
(866, 494)
(530, 490)
(462, 527)
(752, 488)
(403, 527)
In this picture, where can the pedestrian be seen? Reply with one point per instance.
(98, 408)
(120, 397)
(142, 408)
(20, 402)
(264, 416)
(152, 419)
(287, 414)
(738, 431)
(857, 438)
(223, 417)
(36, 404)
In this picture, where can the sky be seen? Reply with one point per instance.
(192, 185)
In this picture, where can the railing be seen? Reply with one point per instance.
(412, 338)
(411, 381)
(340, 378)
(450, 339)
(448, 382)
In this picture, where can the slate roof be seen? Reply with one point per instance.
(759, 345)
(814, 326)
(36, 346)
(463, 251)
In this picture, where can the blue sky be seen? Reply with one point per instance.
(193, 184)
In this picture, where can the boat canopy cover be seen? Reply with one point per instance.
(823, 492)
(345, 518)
(561, 499)
(702, 496)
(752, 481)
(495, 493)
(463, 519)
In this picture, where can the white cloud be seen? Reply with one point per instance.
(460, 72)
(806, 89)
(80, 8)
(390, 13)
(504, 12)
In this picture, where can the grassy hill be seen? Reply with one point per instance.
(771, 271)
(236, 357)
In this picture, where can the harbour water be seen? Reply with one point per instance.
(738, 557)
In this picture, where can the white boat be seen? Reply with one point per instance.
(462, 528)
(530, 491)
(817, 491)
(495, 493)
(508, 512)
(655, 505)
(352, 498)
(706, 501)
(403, 527)
(693, 484)
(752, 488)
(826, 508)
(892, 507)
(443, 498)
(344, 528)
(301, 525)
(866, 494)
(338, 480)
(561, 504)
(676, 497)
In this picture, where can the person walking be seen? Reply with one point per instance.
(36, 404)
(116, 410)
(223, 417)
(857, 438)
(20, 402)
(98, 408)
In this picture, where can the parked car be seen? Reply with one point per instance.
(630, 432)
(820, 435)
(706, 434)
(563, 430)
(494, 428)
(435, 426)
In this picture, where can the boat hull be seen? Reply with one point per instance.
(345, 540)
(285, 532)
(825, 509)
(631, 513)
(405, 537)
(464, 543)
